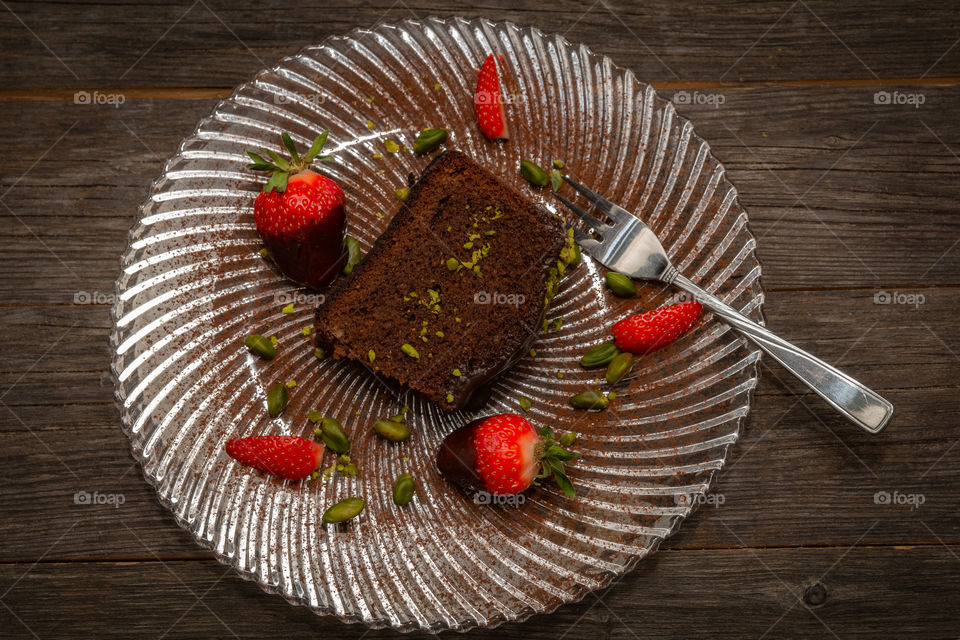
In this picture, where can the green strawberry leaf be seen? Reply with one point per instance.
(280, 162)
(552, 465)
(277, 181)
(262, 166)
(564, 483)
(561, 454)
(259, 160)
(292, 148)
(325, 159)
(315, 148)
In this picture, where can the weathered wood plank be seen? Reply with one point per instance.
(876, 187)
(218, 44)
(733, 593)
(792, 479)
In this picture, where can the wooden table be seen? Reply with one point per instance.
(837, 122)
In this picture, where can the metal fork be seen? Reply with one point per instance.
(628, 246)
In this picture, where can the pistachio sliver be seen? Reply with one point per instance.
(429, 139)
(393, 431)
(403, 489)
(409, 350)
(276, 399)
(344, 510)
(333, 436)
(534, 174)
(260, 346)
(619, 367)
(621, 286)
(599, 355)
(591, 399)
(353, 254)
(525, 403)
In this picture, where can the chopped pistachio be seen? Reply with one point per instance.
(449, 398)
(533, 353)
(319, 353)
(489, 232)
(287, 310)
(525, 403)
(409, 350)
(557, 323)
(274, 340)
(291, 384)
(264, 254)
(377, 155)
(468, 245)
(371, 355)
(559, 374)
(305, 330)
(456, 373)
(391, 146)
(439, 334)
(402, 194)
(557, 164)
(370, 125)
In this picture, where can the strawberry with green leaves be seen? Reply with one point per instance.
(504, 455)
(300, 214)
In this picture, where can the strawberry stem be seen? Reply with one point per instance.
(551, 456)
(280, 168)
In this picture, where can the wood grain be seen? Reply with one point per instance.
(215, 43)
(840, 191)
(852, 195)
(735, 593)
(800, 476)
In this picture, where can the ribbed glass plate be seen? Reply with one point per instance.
(193, 286)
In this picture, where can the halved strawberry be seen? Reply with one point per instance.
(488, 101)
(645, 332)
(288, 457)
(300, 215)
(503, 455)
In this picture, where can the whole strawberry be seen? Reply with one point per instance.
(645, 332)
(287, 457)
(503, 455)
(488, 101)
(300, 216)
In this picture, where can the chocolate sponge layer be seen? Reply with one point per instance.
(474, 320)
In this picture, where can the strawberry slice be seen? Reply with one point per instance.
(488, 102)
(287, 457)
(645, 332)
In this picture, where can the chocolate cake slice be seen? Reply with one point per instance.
(455, 289)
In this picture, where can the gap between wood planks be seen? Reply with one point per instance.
(122, 560)
(201, 93)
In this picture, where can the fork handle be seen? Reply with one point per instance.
(858, 403)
